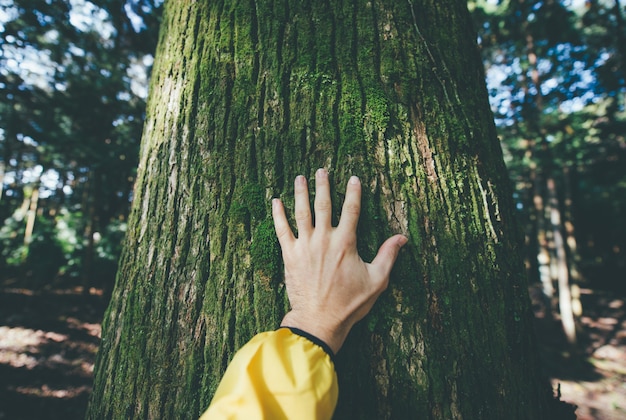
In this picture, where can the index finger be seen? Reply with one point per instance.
(351, 206)
(281, 225)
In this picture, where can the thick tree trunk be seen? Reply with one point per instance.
(245, 96)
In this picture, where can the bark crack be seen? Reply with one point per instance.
(486, 195)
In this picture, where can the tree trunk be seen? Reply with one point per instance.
(31, 216)
(245, 96)
(1, 180)
(88, 206)
(562, 269)
(570, 240)
(544, 259)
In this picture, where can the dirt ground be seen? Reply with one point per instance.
(48, 342)
(591, 374)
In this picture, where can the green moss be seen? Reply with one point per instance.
(377, 109)
(351, 119)
(265, 250)
(254, 199)
(250, 201)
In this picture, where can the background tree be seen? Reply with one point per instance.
(70, 121)
(247, 95)
(556, 77)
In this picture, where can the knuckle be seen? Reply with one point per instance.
(323, 205)
(348, 241)
(281, 232)
(352, 208)
(302, 215)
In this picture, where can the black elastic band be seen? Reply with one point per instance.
(315, 340)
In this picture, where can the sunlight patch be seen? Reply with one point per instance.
(19, 346)
(47, 392)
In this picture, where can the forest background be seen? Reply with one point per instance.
(73, 82)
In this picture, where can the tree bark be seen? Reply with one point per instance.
(572, 244)
(562, 268)
(31, 216)
(1, 180)
(544, 259)
(245, 96)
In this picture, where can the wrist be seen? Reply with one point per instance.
(332, 336)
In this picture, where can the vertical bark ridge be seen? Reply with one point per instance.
(335, 76)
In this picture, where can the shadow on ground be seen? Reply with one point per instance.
(49, 338)
(592, 373)
(48, 342)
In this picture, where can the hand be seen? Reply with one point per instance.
(329, 286)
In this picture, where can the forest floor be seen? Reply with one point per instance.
(591, 374)
(49, 338)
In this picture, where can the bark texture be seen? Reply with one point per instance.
(245, 96)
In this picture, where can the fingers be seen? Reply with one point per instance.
(281, 225)
(302, 207)
(323, 205)
(386, 257)
(351, 207)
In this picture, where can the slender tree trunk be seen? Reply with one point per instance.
(1, 180)
(620, 39)
(552, 258)
(23, 210)
(89, 205)
(562, 269)
(543, 252)
(540, 204)
(31, 215)
(572, 244)
(245, 96)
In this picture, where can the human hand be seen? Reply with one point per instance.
(329, 286)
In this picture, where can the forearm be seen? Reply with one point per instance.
(277, 374)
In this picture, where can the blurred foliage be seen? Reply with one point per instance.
(73, 81)
(556, 78)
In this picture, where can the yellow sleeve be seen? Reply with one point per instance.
(277, 375)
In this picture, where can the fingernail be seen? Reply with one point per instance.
(275, 202)
(403, 240)
(354, 180)
(321, 172)
(300, 180)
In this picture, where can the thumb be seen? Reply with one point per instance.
(387, 255)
